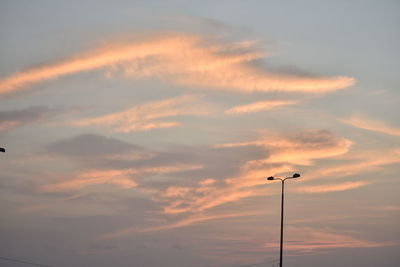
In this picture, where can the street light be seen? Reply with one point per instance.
(271, 178)
(2, 149)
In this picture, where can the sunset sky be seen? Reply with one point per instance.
(141, 133)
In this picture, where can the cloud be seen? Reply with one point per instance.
(281, 154)
(120, 177)
(17, 118)
(226, 180)
(205, 195)
(259, 106)
(332, 187)
(146, 116)
(178, 224)
(362, 162)
(299, 148)
(117, 177)
(100, 160)
(310, 145)
(92, 146)
(309, 239)
(219, 174)
(183, 59)
(361, 122)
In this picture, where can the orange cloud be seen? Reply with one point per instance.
(121, 178)
(284, 152)
(7, 125)
(361, 122)
(99, 58)
(332, 187)
(117, 177)
(144, 117)
(190, 60)
(204, 196)
(259, 106)
(299, 149)
(181, 223)
(174, 191)
(309, 239)
(208, 181)
(21, 117)
(364, 162)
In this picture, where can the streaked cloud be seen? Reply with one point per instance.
(299, 148)
(332, 187)
(90, 146)
(184, 59)
(359, 121)
(309, 239)
(360, 163)
(123, 178)
(17, 118)
(204, 196)
(120, 178)
(282, 153)
(390, 208)
(147, 116)
(178, 224)
(259, 106)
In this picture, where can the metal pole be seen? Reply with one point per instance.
(281, 253)
(271, 178)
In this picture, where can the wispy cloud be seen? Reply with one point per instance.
(282, 152)
(121, 177)
(178, 224)
(361, 163)
(117, 177)
(332, 187)
(189, 60)
(259, 106)
(369, 124)
(17, 118)
(146, 116)
(299, 148)
(205, 196)
(91, 146)
(309, 239)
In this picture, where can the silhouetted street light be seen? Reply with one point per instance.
(271, 178)
(2, 149)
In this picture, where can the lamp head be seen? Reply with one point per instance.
(296, 175)
(270, 178)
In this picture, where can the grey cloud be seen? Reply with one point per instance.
(101, 246)
(17, 118)
(322, 138)
(284, 69)
(91, 145)
(96, 152)
(218, 163)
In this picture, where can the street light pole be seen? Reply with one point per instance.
(282, 200)
(296, 175)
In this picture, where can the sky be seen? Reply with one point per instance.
(141, 133)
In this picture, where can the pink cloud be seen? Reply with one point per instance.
(147, 116)
(332, 187)
(183, 59)
(374, 125)
(259, 106)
